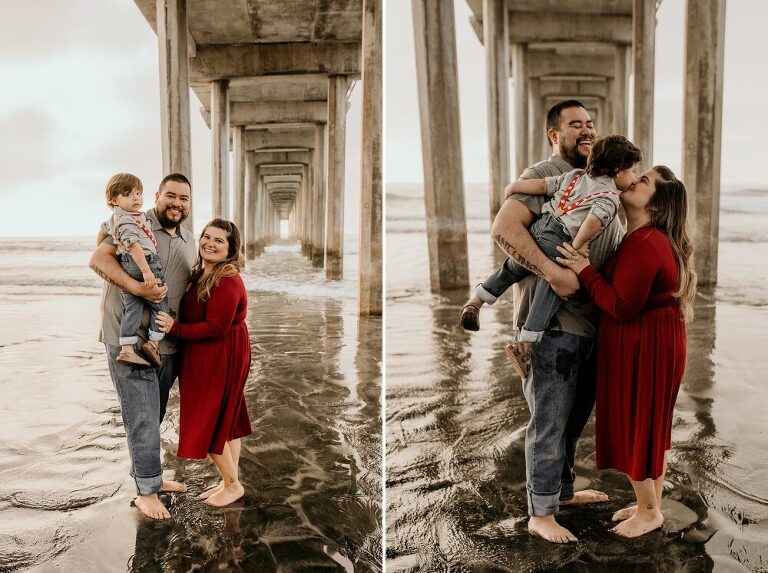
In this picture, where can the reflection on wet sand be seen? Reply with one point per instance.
(311, 469)
(456, 419)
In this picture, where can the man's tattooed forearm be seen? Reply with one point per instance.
(510, 250)
(98, 271)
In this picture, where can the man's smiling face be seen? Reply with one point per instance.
(172, 203)
(575, 136)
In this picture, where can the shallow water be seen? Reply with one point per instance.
(456, 420)
(311, 469)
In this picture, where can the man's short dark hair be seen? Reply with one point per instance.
(177, 177)
(611, 154)
(553, 115)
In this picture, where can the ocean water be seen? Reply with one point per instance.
(311, 469)
(456, 417)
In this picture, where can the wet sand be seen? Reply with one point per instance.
(311, 469)
(456, 420)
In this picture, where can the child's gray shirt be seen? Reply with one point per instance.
(601, 199)
(127, 228)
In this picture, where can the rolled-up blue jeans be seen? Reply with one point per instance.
(133, 306)
(143, 395)
(560, 391)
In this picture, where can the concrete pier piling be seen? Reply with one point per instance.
(371, 279)
(272, 72)
(437, 76)
(334, 204)
(318, 179)
(171, 27)
(643, 69)
(702, 128)
(220, 147)
(496, 37)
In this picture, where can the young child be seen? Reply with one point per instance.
(583, 203)
(137, 250)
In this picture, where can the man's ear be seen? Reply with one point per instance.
(552, 134)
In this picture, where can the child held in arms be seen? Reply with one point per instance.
(137, 251)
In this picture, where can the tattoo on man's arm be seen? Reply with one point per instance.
(99, 272)
(510, 250)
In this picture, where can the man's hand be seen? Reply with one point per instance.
(154, 294)
(104, 263)
(564, 282)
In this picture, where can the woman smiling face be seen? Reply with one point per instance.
(638, 195)
(214, 245)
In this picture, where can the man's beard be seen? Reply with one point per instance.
(168, 223)
(573, 156)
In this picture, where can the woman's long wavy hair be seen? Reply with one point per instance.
(230, 266)
(668, 208)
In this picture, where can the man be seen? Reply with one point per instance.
(559, 388)
(143, 392)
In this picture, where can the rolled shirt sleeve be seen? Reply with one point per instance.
(554, 184)
(127, 231)
(605, 208)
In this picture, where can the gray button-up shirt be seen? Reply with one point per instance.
(125, 228)
(178, 253)
(579, 314)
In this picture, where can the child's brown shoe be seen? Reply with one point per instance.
(470, 317)
(131, 359)
(152, 353)
(520, 359)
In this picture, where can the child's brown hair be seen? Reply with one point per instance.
(612, 154)
(121, 184)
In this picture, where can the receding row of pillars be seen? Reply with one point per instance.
(606, 97)
(313, 205)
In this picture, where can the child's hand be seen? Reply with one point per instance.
(150, 280)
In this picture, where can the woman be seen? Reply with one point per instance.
(215, 359)
(645, 291)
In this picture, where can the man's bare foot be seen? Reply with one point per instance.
(170, 485)
(586, 496)
(226, 496)
(151, 506)
(209, 492)
(639, 524)
(547, 528)
(625, 513)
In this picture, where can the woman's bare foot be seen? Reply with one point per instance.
(170, 485)
(639, 524)
(625, 513)
(209, 492)
(547, 528)
(226, 495)
(151, 506)
(586, 496)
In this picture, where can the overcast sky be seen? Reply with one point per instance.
(80, 101)
(744, 146)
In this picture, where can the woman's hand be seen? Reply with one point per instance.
(164, 321)
(575, 260)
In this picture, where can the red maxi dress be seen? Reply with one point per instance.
(215, 360)
(641, 352)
